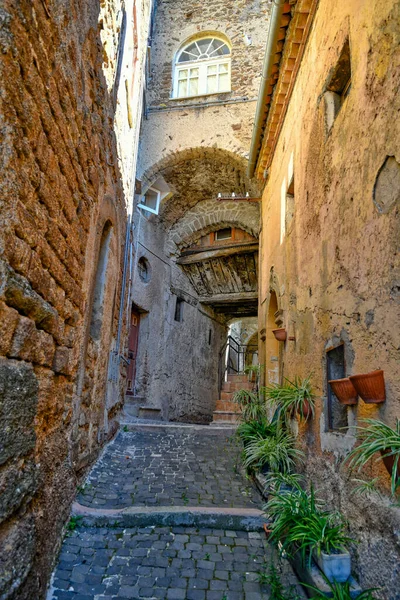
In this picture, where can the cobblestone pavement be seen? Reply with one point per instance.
(160, 562)
(169, 467)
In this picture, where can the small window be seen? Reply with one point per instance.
(179, 310)
(209, 337)
(203, 67)
(150, 201)
(335, 369)
(290, 203)
(223, 234)
(338, 85)
(144, 269)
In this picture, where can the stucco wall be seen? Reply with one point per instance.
(336, 270)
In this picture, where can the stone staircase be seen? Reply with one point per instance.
(227, 411)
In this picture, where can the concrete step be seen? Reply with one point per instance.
(132, 405)
(227, 406)
(148, 412)
(225, 416)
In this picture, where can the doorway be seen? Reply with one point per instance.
(133, 342)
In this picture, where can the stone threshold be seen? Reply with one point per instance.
(240, 519)
(138, 425)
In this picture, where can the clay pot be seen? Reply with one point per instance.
(280, 334)
(388, 461)
(267, 530)
(370, 386)
(344, 390)
(306, 410)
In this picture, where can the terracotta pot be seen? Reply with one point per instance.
(370, 386)
(280, 334)
(306, 410)
(344, 390)
(388, 461)
(267, 530)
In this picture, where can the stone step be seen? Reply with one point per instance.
(225, 416)
(236, 377)
(148, 412)
(227, 396)
(233, 386)
(227, 406)
(132, 405)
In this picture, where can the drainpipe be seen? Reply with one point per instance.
(270, 51)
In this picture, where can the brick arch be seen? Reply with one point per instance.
(209, 216)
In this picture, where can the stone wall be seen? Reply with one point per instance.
(199, 146)
(336, 269)
(62, 209)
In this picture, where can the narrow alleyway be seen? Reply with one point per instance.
(134, 537)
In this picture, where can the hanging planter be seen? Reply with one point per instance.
(388, 461)
(280, 334)
(344, 390)
(370, 386)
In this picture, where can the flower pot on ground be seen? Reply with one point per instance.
(280, 334)
(370, 386)
(335, 567)
(344, 390)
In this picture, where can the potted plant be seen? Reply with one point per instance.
(370, 386)
(339, 591)
(344, 390)
(378, 437)
(293, 397)
(252, 404)
(272, 453)
(280, 334)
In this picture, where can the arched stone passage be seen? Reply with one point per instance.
(211, 215)
(197, 175)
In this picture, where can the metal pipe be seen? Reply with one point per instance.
(270, 51)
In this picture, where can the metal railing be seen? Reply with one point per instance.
(234, 357)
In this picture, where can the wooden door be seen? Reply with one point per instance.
(133, 342)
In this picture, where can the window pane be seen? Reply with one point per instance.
(193, 87)
(194, 72)
(212, 84)
(223, 82)
(211, 69)
(223, 68)
(219, 48)
(204, 44)
(183, 74)
(150, 199)
(192, 49)
(182, 88)
(184, 57)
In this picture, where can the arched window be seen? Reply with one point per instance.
(203, 67)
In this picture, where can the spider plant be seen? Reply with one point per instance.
(378, 437)
(278, 452)
(293, 396)
(249, 431)
(317, 532)
(252, 404)
(339, 591)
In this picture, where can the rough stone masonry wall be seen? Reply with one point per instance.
(59, 187)
(337, 271)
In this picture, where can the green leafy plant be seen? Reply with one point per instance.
(318, 532)
(300, 524)
(339, 591)
(252, 404)
(377, 437)
(277, 590)
(73, 523)
(293, 396)
(248, 431)
(365, 487)
(278, 452)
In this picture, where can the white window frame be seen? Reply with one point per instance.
(154, 211)
(202, 65)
